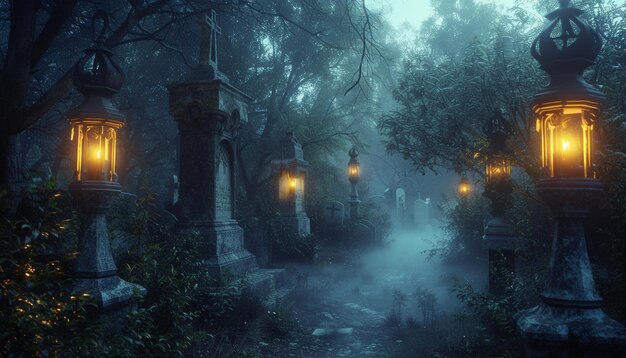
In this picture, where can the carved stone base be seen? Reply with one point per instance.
(108, 293)
(570, 321)
(224, 250)
(299, 224)
(499, 235)
(552, 331)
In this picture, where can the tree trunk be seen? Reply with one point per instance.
(10, 172)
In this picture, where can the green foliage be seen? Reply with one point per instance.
(39, 315)
(289, 246)
(426, 302)
(464, 226)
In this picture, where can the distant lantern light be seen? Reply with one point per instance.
(464, 187)
(288, 184)
(96, 121)
(567, 108)
(498, 164)
(354, 168)
(498, 168)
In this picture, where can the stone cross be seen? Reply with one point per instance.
(332, 210)
(333, 213)
(208, 45)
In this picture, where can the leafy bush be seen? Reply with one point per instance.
(39, 316)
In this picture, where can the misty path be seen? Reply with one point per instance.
(342, 308)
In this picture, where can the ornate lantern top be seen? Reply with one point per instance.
(564, 49)
(354, 153)
(96, 71)
(98, 78)
(497, 131)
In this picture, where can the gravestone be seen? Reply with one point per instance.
(404, 192)
(333, 214)
(172, 198)
(290, 170)
(209, 112)
(422, 212)
(365, 231)
(376, 206)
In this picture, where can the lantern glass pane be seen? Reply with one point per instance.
(566, 141)
(95, 150)
(353, 170)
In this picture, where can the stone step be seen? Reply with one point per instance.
(271, 284)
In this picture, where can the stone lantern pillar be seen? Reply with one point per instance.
(354, 174)
(95, 123)
(290, 171)
(498, 237)
(569, 322)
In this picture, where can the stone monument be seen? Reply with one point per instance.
(290, 170)
(209, 111)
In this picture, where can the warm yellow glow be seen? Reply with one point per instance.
(95, 148)
(293, 183)
(566, 145)
(566, 130)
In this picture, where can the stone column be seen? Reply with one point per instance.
(498, 237)
(570, 321)
(354, 203)
(94, 271)
(209, 112)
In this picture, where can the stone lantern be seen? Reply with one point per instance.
(498, 237)
(290, 169)
(95, 123)
(354, 174)
(569, 321)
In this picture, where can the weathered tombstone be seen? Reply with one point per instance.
(172, 198)
(400, 200)
(209, 111)
(421, 212)
(372, 228)
(364, 231)
(376, 206)
(290, 170)
(256, 240)
(333, 214)
(405, 193)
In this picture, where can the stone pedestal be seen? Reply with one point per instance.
(94, 271)
(570, 321)
(354, 204)
(501, 244)
(290, 172)
(209, 112)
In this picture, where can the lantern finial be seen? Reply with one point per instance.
(96, 71)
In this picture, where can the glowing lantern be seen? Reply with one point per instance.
(354, 168)
(96, 121)
(464, 188)
(498, 166)
(566, 130)
(567, 108)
